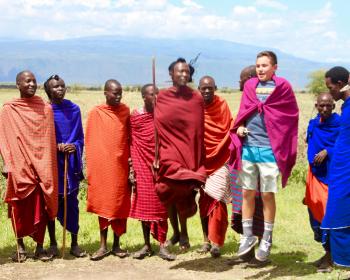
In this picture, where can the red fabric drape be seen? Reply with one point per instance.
(107, 153)
(28, 147)
(218, 122)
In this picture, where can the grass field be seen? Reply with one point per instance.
(293, 248)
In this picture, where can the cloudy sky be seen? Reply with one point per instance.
(314, 29)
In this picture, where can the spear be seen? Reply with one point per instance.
(65, 203)
(155, 166)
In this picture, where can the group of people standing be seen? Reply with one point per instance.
(152, 163)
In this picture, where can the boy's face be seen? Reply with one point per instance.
(325, 105)
(264, 68)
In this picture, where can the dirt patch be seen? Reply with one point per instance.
(187, 266)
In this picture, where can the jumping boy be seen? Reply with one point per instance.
(264, 144)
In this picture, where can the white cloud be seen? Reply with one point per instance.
(271, 4)
(309, 34)
(191, 4)
(244, 10)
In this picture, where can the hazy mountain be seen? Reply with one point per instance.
(93, 60)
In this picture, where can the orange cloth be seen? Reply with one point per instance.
(316, 195)
(218, 121)
(107, 153)
(28, 147)
(118, 225)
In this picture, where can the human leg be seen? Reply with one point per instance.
(116, 250)
(203, 210)
(20, 255)
(247, 178)
(184, 240)
(75, 249)
(146, 250)
(172, 213)
(53, 250)
(269, 208)
(102, 251)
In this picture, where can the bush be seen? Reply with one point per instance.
(317, 84)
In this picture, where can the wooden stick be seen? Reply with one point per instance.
(154, 72)
(155, 165)
(65, 203)
(15, 228)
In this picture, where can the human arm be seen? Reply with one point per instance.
(132, 175)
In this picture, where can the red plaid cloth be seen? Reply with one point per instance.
(159, 230)
(28, 147)
(146, 205)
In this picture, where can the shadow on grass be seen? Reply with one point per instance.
(286, 264)
(229, 248)
(283, 265)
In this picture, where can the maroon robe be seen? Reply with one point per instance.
(179, 122)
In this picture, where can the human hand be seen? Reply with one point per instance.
(66, 148)
(320, 157)
(132, 176)
(242, 131)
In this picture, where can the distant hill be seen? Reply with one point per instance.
(92, 60)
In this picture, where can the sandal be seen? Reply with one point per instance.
(184, 244)
(205, 248)
(100, 254)
(53, 251)
(142, 253)
(172, 241)
(119, 253)
(166, 255)
(19, 256)
(42, 255)
(77, 252)
(215, 251)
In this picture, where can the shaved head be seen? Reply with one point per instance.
(206, 78)
(109, 83)
(325, 104)
(247, 73)
(26, 84)
(324, 96)
(207, 88)
(21, 74)
(249, 70)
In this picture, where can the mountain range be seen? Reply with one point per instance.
(93, 60)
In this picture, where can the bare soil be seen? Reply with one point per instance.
(187, 266)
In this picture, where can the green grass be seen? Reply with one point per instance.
(293, 249)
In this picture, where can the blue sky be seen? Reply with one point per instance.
(314, 29)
